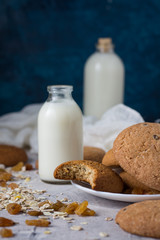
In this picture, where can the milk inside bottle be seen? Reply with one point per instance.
(103, 79)
(59, 131)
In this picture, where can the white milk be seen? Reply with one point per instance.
(59, 133)
(103, 80)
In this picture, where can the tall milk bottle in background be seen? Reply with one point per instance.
(60, 131)
(103, 79)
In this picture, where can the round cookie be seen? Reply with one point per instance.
(109, 159)
(11, 155)
(137, 149)
(141, 218)
(93, 154)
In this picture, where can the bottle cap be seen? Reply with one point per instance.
(104, 44)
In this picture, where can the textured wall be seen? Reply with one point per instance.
(46, 42)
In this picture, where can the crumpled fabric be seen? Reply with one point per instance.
(20, 128)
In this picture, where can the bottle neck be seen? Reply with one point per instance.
(104, 50)
(59, 92)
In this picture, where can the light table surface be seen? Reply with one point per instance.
(59, 228)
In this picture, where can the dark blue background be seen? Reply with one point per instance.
(44, 42)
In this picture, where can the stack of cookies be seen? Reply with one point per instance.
(136, 156)
(137, 151)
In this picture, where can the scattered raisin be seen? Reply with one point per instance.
(13, 208)
(56, 206)
(5, 232)
(88, 212)
(3, 183)
(13, 185)
(18, 167)
(5, 222)
(62, 209)
(81, 208)
(71, 208)
(5, 176)
(35, 213)
(29, 166)
(38, 223)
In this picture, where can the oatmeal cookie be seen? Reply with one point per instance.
(93, 153)
(100, 177)
(11, 155)
(109, 159)
(141, 218)
(137, 149)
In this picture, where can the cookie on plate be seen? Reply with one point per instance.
(109, 159)
(141, 218)
(133, 183)
(100, 177)
(93, 153)
(137, 149)
(11, 155)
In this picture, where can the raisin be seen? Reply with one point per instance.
(13, 208)
(62, 209)
(28, 166)
(35, 213)
(81, 208)
(5, 176)
(38, 223)
(71, 208)
(56, 206)
(18, 167)
(3, 183)
(13, 185)
(88, 212)
(5, 232)
(5, 222)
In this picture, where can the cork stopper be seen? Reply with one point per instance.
(104, 44)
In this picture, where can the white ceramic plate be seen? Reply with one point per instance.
(114, 196)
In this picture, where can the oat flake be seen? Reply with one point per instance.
(109, 219)
(103, 234)
(76, 228)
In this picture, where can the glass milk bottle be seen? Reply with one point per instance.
(103, 79)
(59, 131)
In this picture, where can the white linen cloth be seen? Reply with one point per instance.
(20, 128)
